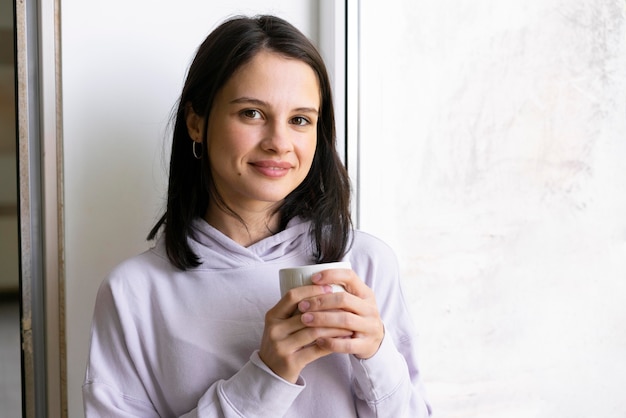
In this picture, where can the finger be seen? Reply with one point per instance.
(363, 344)
(287, 305)
(287, 357)
(338, 301)
(339, 319)
(362, 348)
(291, 334)
(309, 336)
(345, 277)
(299, 350)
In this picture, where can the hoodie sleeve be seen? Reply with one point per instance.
(118, 384)
(253, 392)
(389, 383)
(384, 386)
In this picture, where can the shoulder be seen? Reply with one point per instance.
(365, 245)
(139, 263)
(137, 271)
(128, 287)
(373, 260)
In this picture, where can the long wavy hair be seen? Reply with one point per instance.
(324, 195)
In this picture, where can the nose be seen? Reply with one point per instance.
(277, 139)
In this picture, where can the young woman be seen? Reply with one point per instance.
(196, 326)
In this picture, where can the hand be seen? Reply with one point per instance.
(288, 345)
(354, 310)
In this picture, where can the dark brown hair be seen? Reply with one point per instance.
(324, 195)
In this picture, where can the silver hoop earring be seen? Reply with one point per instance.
(193, 149)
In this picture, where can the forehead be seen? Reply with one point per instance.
(270, 75)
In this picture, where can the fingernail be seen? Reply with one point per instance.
(316, 277)
(304, 306)
(307, 317)
(327, 288)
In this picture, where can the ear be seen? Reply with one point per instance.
(195, 123)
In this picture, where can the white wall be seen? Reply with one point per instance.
(492, 146)
(123, 65)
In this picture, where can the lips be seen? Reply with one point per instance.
(271, 168)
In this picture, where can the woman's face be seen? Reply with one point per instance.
(262, 131)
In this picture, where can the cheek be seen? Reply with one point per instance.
(229, 143)
(308, 152)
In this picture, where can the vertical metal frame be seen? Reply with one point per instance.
(332, 43)
(339, 43)
(37, 27)
(30, 210)
(352, 102)
(52, 170)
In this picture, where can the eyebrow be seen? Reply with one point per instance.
(261, 103)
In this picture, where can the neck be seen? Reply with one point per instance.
(256, 225)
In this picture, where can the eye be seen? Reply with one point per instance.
(300, 121)
(251, 114)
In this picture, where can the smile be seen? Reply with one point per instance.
(270, 168)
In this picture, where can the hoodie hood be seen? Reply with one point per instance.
(218, 251)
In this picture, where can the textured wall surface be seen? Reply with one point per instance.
(492, 148)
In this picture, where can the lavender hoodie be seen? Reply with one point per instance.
(168, 343)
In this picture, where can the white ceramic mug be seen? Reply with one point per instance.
(301, 276)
